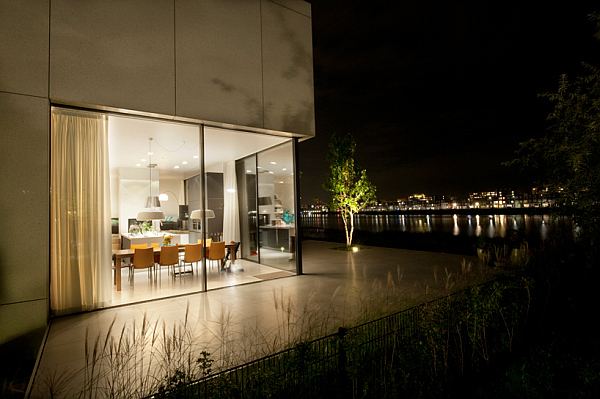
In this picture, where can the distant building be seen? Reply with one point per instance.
(511, 198)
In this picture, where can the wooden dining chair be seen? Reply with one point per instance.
(192, 254)
(217, 253)
(169, 256)
(207, 242)
(128, 261)
(143, 258)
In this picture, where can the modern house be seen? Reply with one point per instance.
(107, 104)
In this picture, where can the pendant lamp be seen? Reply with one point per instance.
(152, 202)
(197, 214)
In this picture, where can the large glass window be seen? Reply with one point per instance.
(146, 182)
(155, 185)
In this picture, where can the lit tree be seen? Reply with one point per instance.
(351, 189)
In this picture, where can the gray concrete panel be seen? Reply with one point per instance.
(24, 232)
(287, 70)
(24, 47)
(219, 72)
(114, 53)
(20, 320)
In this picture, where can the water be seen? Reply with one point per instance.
(535, 226)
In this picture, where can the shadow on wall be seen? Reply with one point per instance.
(253, 105)
(300, 68)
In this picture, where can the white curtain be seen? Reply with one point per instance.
(231, 216)
(80, 264)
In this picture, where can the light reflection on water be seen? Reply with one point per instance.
(467, 225)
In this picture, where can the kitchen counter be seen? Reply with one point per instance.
(277, 237)
(127, 239)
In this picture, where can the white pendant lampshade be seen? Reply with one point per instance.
(197, 214)
(150, 215)
(152, 202)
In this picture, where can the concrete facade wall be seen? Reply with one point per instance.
(240, 62)
(24, 169)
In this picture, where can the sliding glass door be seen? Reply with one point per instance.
(276, 207)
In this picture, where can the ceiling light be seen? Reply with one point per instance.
(273, 163)
(150, 215)
(284, 169)
(195, 156)
(184, 162)
(143, 160)
(152, 201)
(197, 214)
(248, 171)
(176, 167)
(137, 164)
(271, 172)
(150, 153)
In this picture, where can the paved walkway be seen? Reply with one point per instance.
(242, 322)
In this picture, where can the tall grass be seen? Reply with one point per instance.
(147, 356)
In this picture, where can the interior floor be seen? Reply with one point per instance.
(143, 288)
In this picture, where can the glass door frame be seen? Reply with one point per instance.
(296, 186)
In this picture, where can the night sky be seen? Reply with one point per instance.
(438, 93)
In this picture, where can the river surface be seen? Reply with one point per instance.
(535, 226)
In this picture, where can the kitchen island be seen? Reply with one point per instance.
(128, 239)
(277, 237)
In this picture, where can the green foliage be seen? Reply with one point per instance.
(146, 226)
(349, 184)
(569, 155)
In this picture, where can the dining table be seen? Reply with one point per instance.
(119, 255)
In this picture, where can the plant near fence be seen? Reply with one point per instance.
(419, 352)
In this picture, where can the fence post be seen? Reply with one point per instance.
(343, 380)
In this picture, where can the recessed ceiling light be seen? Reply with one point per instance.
(273, 163)
(184, 162)
(248, 171)
(150, 153)
(137, 164)
(143, 160)
(271, 172)
(281, 182)
(176, 167)
(195, 156)
(284, 169)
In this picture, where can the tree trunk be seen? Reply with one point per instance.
(349, 236)
(344, 217)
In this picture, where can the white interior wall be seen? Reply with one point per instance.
(171, 207)
(133, 192)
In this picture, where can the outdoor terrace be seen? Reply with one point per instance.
(243, 322)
